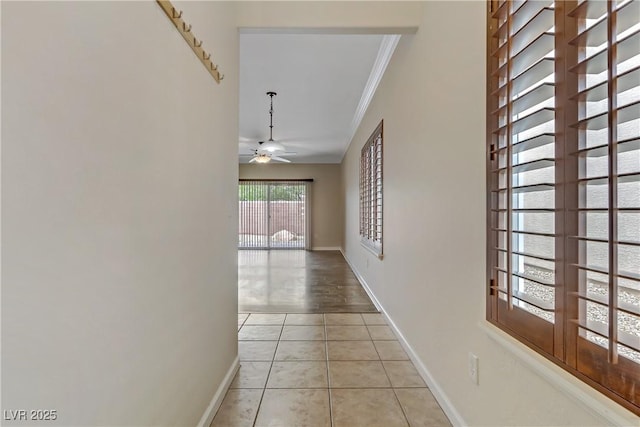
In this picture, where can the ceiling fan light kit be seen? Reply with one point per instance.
(261, 158)
(266, 158)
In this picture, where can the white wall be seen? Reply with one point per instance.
(119, 211)
(326, 197)
(330, 16)
(432, 279)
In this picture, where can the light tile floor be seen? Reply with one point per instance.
(324, 370)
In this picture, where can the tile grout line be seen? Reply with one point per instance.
(401, 407)
(326, 355)
(264, 389)
(243, 322)
(390, 383)
(394, 392)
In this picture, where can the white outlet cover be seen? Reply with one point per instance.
(474, 368)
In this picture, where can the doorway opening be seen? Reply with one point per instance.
(273, 214)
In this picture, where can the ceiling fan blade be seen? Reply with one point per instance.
(272, 146)
(253, 160)
(280, 159)
(278, 153)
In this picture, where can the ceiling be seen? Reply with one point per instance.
(324, 83)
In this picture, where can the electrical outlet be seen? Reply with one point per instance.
(474, 368)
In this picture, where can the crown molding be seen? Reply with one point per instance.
(387, 47)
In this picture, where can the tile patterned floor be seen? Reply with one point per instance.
(324, 370)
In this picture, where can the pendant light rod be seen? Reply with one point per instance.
(271, 146)
(271, 94)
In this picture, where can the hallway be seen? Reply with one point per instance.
(334, 369)
(458, 134)
(314, 351)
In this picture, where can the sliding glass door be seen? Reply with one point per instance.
(273, 214)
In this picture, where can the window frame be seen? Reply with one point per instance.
(561, 342)
(371, 192)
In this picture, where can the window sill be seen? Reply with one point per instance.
(374, 250)
(596, 403)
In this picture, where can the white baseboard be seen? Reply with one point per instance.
(444, 401)
(218, 397)
(325, 248)
(364, 283)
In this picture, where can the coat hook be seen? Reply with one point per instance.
(173, 13)
(221, 77)
(184, 27)
(214, 67)
(197, 43)
(206, 55)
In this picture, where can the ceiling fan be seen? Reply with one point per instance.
(260, 156)
(266, 150)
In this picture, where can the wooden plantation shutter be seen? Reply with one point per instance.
(371, 191)
(564, 185)
(522, 165)
(605, 320)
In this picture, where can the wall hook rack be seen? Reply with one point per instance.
(196, 45)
